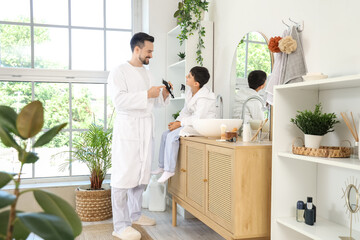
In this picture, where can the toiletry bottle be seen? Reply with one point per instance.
(182, 91)
(246, 134)
(223, 130)
(300, 209)
(309, 213)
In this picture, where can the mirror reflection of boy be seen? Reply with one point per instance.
(199, 103)
(254, 109)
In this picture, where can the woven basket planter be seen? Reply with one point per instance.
(93, 205)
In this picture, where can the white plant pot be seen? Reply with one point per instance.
(312, 141)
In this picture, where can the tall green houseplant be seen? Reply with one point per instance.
(189, 15)
(59, 220)
(94, 150)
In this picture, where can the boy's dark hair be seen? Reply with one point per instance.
(201, 75)
(256, 79)
(138, 40)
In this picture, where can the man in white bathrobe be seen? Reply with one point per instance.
(132, 149)
(199, 104)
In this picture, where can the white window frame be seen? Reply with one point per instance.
(67, 76)
(136, 26)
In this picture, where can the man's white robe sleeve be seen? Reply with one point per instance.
(122, 99)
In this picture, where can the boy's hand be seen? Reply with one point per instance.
(166, 92)
(174, 125)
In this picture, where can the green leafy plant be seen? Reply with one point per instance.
(59, 220)
(175, 115)
(188, 17)
(94, 149)
(181, 55)
(315, 123)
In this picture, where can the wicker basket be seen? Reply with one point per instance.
(93, 205)
(323, 151)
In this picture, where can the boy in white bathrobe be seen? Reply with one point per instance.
(199, 103)
(254, 109)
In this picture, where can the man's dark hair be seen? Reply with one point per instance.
(201, 75)
(138, 40)
(256, 79)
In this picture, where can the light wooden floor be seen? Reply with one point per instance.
(187, 229)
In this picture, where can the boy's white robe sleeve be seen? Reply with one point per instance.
(122, 99)
(203, 109)
(184, 113)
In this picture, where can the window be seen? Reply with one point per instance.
(64, 34)
(40, 41)
(252, 54)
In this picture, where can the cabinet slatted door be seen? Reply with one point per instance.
(177, 182)
(195, 177)
(219, 204)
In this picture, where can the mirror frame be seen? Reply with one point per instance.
(347, 198)
(272, 67)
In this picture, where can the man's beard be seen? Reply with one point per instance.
(144, 61)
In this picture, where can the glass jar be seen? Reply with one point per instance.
(355, 150)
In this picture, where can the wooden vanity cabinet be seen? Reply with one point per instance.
(225, 185)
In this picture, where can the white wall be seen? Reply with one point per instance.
(330, 36)
(160, 21)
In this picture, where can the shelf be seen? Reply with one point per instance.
(177, 98)
(180, 64)
(321, 230)
(352, 81)
(175, 31)
(349, 163)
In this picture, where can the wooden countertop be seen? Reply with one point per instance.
(238, 144)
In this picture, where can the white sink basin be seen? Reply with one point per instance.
(211, 127)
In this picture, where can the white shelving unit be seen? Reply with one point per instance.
(349, 163)
(177, 69)
(323, 230)
(295, 177)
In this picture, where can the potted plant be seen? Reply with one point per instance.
(175, 115)
(314, 125)
(93, 148)
(59, 217)
(181, 56)
(189, 16)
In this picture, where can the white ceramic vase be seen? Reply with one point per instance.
(312, 141)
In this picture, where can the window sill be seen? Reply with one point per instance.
(53, 183)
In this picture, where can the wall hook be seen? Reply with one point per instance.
(285, 24)
(299, 27)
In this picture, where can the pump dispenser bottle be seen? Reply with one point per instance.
(309, 213)
(246, 134)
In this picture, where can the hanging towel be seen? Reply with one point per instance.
(295, 65)
(275, 77)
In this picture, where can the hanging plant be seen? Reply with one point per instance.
(189, 15)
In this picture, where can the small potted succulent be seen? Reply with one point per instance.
(181, 56)
(314, 125)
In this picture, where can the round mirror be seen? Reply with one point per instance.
(352, 199)
(252, 53)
